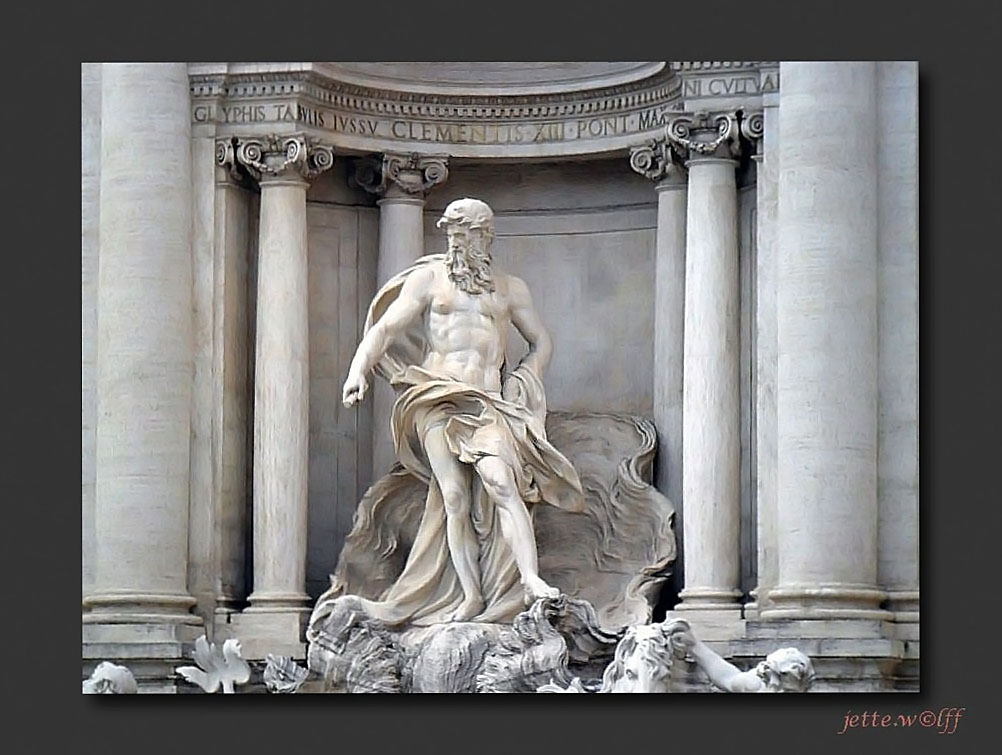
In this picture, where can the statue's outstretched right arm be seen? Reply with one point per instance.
(409, 304)
(725, 675)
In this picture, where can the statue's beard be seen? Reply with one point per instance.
(470, 269)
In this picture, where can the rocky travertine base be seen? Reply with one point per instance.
(615, 554)
(554, 640)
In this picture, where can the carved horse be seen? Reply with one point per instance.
(643, 661)
(644, 658)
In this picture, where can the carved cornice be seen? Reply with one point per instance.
(705, 134)
(659, 89)
(717, 65)
(359, 119)
(412, 174)
(276, 156)
(657, 160)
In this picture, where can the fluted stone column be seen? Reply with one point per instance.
(283, 166)
(401, 182)
(827, 344)
(711, 389)
(144, 365)
(659, 163)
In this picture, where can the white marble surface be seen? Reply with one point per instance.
(401, 242)
(897, 288)
(343, 250)
(144, 343)
(711, 393)
(765, 355)
(217, 669)
(827, 341)
(669, 320)
(231, 352)
(201, 516)
(90, 185)
(281, 397)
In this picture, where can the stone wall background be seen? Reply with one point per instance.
(580, 234)
(343, 243)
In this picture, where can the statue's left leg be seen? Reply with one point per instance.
(516, 526)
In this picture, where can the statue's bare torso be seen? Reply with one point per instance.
(467, 333)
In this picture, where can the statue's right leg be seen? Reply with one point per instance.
(516, 526)
(453, 479)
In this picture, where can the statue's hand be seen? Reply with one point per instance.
(354, 389)
(684, 638)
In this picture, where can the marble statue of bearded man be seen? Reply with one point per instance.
(467, 429)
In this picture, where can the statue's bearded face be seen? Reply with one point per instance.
(468, 258)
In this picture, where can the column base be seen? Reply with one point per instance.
(712, 624)
(264, 630)
(139, 608)
(280, 602)
(825, 601)
(904, 604)
(151, 651)
(848, 655)
(751, 609)
(709, 599)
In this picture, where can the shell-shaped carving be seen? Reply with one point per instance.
(283, 675)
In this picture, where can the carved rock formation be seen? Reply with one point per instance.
(615, 554)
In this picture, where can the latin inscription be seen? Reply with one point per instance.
(729, 86)
(644, 121)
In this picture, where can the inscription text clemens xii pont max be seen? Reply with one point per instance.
(526, 132)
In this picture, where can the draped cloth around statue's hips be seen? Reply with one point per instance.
(477, 423)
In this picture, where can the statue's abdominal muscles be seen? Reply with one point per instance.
(466, 339)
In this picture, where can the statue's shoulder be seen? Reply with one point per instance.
(424, 271)
(513, 286)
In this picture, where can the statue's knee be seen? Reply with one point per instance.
(497, 481)
(455, 501)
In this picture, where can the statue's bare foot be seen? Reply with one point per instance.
(536, 588)
(469, 608)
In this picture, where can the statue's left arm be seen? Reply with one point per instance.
(529, 324)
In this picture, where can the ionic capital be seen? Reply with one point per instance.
(289, 156)
(228, 170)
(703, 134)
(659, 161)
(753, 129)
(407, 175)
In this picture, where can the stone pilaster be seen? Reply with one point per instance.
(230, 352)
(139, 601)
(897, 284)
(827, 345)
(711, 388)
(283, 167)
(658, 162)
(401, 181)
(759, 128)
(90, 210)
